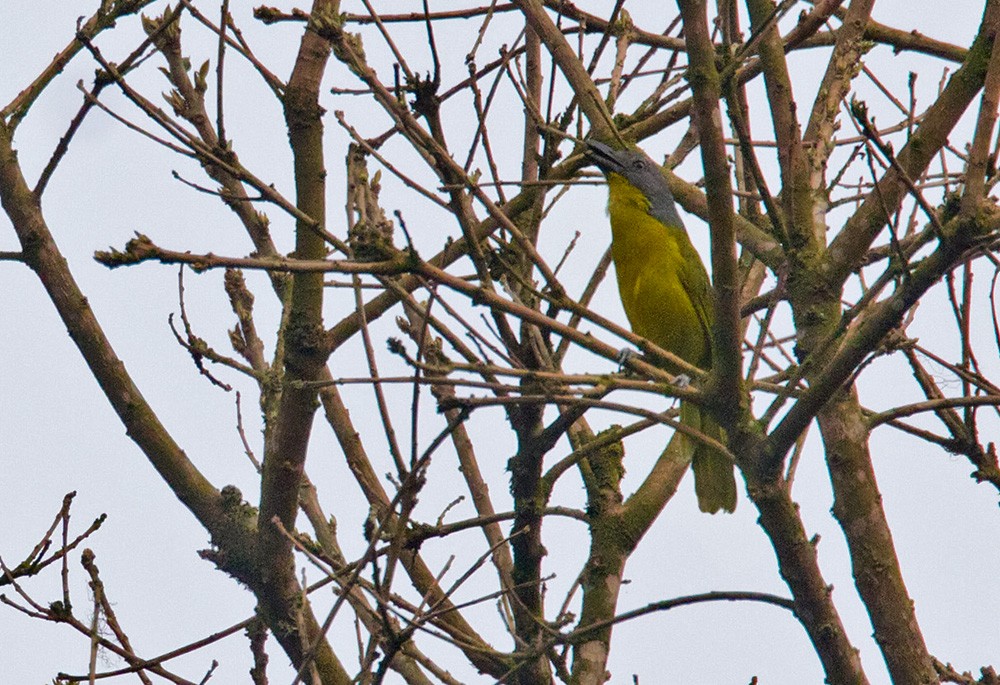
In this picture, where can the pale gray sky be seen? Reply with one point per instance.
(57, 433)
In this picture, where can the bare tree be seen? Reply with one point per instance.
(828, 229)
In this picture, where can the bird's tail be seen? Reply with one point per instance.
(714, 477)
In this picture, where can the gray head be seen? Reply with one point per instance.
(640, 171)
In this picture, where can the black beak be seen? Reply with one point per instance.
(604, 157)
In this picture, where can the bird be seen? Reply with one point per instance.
(666, 294)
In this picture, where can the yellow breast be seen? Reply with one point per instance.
(662, 283)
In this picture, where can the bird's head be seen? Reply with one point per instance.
(634, 167)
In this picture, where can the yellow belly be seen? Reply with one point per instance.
(662, 283)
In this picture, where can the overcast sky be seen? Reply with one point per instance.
(58, 434)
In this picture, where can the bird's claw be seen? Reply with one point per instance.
(625, 355)
(682, 381)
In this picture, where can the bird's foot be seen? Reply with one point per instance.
(682, 381)
(625, 355)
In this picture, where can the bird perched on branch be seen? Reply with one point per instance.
(666, 294)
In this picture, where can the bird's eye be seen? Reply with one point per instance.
(639, 164)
